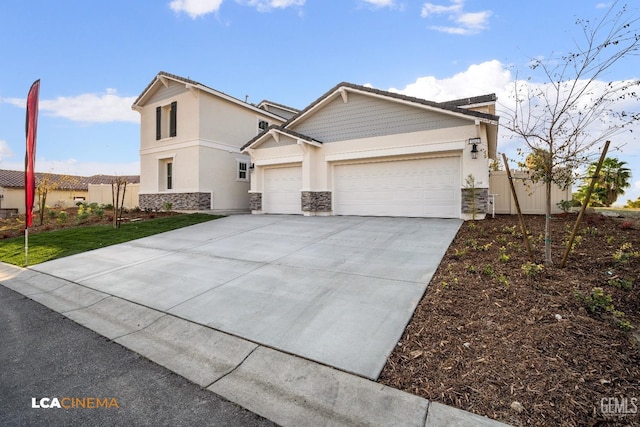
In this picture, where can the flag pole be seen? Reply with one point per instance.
(26, 247)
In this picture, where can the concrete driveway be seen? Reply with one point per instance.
(336, 290)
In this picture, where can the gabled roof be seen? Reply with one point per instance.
(273, 129)
(458, 107)
(15, 179)
(473, 101)
(162, 78)
(451, 107)
(266, 103)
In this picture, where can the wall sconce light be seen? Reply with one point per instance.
(474, 142)
(252, 167)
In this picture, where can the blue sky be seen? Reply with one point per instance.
(95, 58)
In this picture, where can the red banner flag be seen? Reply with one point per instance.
(30, 158)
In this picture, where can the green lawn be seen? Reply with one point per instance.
(50, 245)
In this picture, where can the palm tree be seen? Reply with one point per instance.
(613, 179)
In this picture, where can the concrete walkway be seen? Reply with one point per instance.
(336, 290)
(283, 388)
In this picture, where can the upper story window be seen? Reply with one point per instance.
(166, 121)
(243, 171)
(262, 125)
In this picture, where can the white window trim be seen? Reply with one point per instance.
(247, 163)
(260, 119)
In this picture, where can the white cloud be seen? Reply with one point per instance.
(435, 9)
(480, 79)
(381, 3)
(603, 5)
(467, 22)
(195, 8)
(89, 107)
(267, 5)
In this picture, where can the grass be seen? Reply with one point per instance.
(46, 246)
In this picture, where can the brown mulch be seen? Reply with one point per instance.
(487, 334)
(14, 227)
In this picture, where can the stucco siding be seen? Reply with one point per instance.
(219, 175)
(364, 117)
(224, 122)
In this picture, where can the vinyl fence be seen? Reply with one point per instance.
(531, 197)
(101, 194)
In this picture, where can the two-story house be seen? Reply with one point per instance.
(190, 140)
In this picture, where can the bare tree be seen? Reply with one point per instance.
(564, 119)
(118, 184)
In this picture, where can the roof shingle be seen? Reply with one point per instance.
(15, 179)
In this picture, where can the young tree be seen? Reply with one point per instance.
(563, 120)
(614, 177)
(44, 185)
(118, 184)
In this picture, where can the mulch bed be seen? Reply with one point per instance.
(14, 227)
(523, 347)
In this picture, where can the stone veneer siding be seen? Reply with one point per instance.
(482, 200)
(255, 201)
(316, 201)
(185, 201)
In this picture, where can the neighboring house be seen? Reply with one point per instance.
(363, 151)
(67, 189)
(190, 141)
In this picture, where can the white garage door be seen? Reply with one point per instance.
(282, 190)
(412, 188)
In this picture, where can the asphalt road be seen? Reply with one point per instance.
(45, 355)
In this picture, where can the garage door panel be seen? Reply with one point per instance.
(282, 190)
(419, 188)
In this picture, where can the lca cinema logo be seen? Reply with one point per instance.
(74, 403)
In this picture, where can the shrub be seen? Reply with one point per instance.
(488, 270)
(619, 283)
(597, 301)
(532, 269)
(627, 225)
(62, 217)
(504, 257)
(625, 253)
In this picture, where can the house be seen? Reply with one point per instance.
(190, 140)
(363, 151)
(65, 191)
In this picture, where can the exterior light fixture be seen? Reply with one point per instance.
(474, 142)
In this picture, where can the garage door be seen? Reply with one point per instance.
(282, 190)
(412, 188)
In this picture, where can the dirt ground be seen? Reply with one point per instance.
(495, 336)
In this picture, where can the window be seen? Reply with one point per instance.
(166, 121)
(169, 175)
(243, 172)
(262, 125)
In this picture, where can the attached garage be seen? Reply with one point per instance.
(409, 188)
(282, 190)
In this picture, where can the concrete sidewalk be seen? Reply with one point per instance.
(286, 389)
